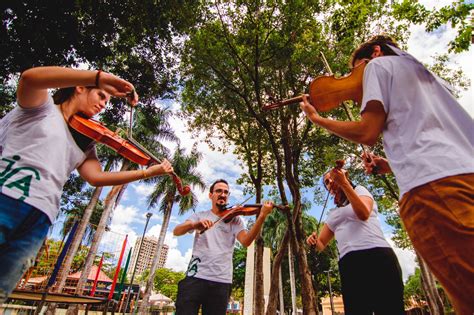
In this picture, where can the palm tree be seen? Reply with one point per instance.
(165, 194)
(151, 126)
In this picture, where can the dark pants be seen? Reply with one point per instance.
(194, 292)
(371, 282)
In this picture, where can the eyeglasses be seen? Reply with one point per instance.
(222, 191)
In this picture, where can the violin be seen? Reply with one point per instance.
(129, 149)
(247, 209)
(340, 198)
(327, 92)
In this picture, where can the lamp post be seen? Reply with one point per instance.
(330, 292)
(148, 216)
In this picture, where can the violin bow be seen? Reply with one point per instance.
(364, 148)
(183, 190)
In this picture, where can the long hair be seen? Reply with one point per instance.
(365, 50)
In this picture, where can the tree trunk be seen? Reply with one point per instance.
(258, 294)
(273, 296)
(258, 297)
(280, 292)
(435, 303)
(76, 242)
(310, 305)
(109, 205)
(292, 280)
(297, 237)
(150, 283)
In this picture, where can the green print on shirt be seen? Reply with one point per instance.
(23, 183)
(193, 266)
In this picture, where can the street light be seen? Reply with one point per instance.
(330, 291)
(148, 216)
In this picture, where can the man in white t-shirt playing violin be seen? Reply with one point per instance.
(209, 276)
(428, 139)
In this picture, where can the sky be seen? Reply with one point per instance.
(129, 216)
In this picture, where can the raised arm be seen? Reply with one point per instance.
(365, 131)
(34, 83)
(91, 171)
(322, 240)
(189, 225)
(362, 205)
(246, 237)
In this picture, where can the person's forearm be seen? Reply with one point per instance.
(117, 178)
(350, 130)
(57, 77)
(319, 245)
(183, 228)
(358, 206)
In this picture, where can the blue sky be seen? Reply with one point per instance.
(129, 216)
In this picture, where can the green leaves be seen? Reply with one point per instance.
(455, 14)
(166, 282)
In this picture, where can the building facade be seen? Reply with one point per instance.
(143, 260)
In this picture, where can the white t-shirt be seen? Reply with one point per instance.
(213, 250)
(427, 134)
(352, 233)
(38, 153)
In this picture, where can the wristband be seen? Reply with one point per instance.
(144, 174)
(97, 76)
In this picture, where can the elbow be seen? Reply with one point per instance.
(363, 216)
(27, 76)
(369, 140)
(94, 182)
(177, 231)
(245, 243)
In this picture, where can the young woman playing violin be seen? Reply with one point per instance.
(39, 151)
(428, 140)
(371, 277)
(209, 275)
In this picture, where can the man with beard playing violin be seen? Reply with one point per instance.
(428, 139)
(209, 276)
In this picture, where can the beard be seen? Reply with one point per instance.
(221, 206)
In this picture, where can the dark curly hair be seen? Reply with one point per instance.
(365, 50)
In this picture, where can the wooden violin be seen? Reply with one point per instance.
(129, 149)
(327, 92)
(246, 209)
(340, 198)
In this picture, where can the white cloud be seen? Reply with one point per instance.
(176, 261)
(406, 258)
(121, 225)
(143, 189)
(214, 164)
(424, 46)
(170, 239)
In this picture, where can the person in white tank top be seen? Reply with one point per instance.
(428, 139)
(38, 152)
